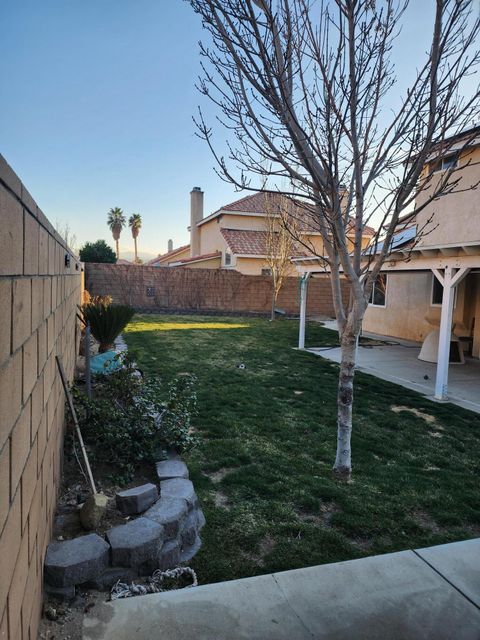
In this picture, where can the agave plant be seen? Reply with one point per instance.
(107, 321)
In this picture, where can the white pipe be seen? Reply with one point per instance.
(303, 310)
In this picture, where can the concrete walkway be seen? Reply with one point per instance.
(429, 594)
(399, 363)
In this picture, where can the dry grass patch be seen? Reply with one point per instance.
(429, 419)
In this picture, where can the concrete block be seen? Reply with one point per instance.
(28, 202)
(136, 500)
(171, 469)
(29, 482)
(5, 319)
(30, 360)
(111, 576)
(30, 255)
(136, 543)
(42, 251)
(42, 346)
(169, 555)
(188, 533)
(22, 311)
(4, 483)
(201, 522)
(10, 545)
(189, 552)
(179, 488)
(11, 238)
(37, 302)
(75, 561)
(20, 446)
(170, 513)
(93, 511)
(63, 594)
(8, 175)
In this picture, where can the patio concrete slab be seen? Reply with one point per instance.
(459, 563)
(395, 596)
(399, 363)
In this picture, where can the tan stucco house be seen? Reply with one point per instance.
(429, 287)
(235, 236)
(445, 234)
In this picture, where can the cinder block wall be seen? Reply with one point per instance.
(217, 290)
(38, 298)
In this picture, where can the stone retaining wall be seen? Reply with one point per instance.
(40, 286)
(164, 535)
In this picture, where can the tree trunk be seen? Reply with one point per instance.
(118, 250)
(136, 256)
(274, 299)
(343, 461)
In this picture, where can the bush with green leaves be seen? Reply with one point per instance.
(132, 419)
(98, 251)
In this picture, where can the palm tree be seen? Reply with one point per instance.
(135, 224)
(116, 221)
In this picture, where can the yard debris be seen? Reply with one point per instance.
(154, 584)
(429, 419)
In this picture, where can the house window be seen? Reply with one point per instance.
(266, 272)
(378, 295)
(447, 162)
(228, 259)
(437, 293)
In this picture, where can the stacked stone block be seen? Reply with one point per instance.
(38, 298)
(164, 535)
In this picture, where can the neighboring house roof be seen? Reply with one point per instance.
(123, 261)
(243, 242)
(169, 254)
(202, 258)
(256, 204)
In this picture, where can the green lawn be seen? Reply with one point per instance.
(268, 434)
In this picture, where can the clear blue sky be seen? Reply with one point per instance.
(96, 110)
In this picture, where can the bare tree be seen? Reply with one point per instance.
(309, 87)
(280, 233)
(66, 233)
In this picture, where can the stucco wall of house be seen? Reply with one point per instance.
(408, 305)
(204, 264)
(38, 298)
(181, 255)
(455, 218)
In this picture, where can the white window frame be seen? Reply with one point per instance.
(439, 166)
(438, 305)
(228, 263)
(379, 306)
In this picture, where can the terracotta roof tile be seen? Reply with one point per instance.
(169, 254)
(302, 211)
(205, 256)
(243, 242)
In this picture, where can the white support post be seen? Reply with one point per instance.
(450, 281)
(303, 309)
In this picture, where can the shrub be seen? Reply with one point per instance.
(106, 321)
(98, 251)
(132, 419)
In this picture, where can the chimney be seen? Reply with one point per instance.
(170, 246)
(196, 214)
